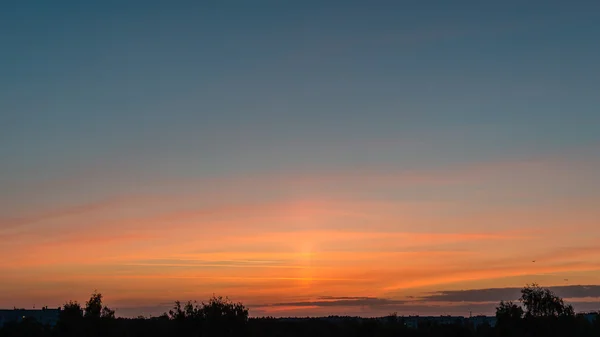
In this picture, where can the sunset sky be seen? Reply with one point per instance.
(303, 157)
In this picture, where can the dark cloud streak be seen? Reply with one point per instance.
(341, 302)
(499, 294)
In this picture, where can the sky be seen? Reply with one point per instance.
(303, 157)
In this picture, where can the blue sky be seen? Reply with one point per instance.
(223, 80)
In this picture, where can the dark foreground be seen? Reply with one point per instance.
(538, 313)
(307, 327)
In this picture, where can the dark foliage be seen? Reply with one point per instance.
(538, 313)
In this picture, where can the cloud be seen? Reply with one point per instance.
(577, 291)
(340, 302)
(475, 273)
(238, 263)
(571, 252)
(561, 260)
(16, 222)
(473, 295)
(349, 177)
(343, 297)
(83, 248)
(499, 294)
(334, 240)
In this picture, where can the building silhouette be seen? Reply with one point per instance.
(44, 316)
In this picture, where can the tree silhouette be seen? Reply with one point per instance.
(224, 317)
(71, 310)
(541, 313)
(216, 309)
(509, 311)
(222, 309)
(70, 319)
(189, 310)
(94, 309)
(542, 302)
(107, 313)
(219, 316)
(509, 315)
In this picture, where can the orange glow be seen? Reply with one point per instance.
(151, 249)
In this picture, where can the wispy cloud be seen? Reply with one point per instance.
(330, 239)
(474, 295)
(238, 188)
(27, 219)
(343, 302)
(70, 248)
(187, 263)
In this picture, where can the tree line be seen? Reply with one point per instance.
(538, 312)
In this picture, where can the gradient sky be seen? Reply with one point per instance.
(304, 157)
